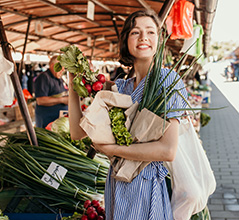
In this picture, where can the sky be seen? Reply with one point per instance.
(225, 27)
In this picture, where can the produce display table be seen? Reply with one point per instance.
(11, 118)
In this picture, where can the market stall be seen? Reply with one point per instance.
(97, 38)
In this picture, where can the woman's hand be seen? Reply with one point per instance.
(107, 149)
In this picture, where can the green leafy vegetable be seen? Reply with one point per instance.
(24, 165)
(120, 132)
(61, 125)
(75, 62)
(204, 119)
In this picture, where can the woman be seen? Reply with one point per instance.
(146, 197)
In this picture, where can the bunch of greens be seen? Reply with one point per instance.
(204, 119)
(84, 144)
(2, 216)
(153, 99)
(24, 165)
(120, 132)
(203, 215)
(62, 127)
(75, 62)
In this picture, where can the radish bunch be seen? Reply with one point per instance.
(93, 211)
(94, 86)
(86, 82)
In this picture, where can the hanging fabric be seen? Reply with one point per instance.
(180, 20)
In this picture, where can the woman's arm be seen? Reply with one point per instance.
(162, 150)
(75, 113)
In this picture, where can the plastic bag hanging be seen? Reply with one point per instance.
(197, 49)
(180, 20)
(7, 92)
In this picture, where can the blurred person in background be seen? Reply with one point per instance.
(51, 95)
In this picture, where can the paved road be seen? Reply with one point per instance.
(221, 141)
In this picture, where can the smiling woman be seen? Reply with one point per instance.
(143, 39)
(138, 45)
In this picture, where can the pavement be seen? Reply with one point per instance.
(220, 139)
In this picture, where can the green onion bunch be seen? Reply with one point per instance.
(120, 132)
(155, 95)
(24, 165)
(153, 99)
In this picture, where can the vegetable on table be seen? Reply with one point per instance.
(23, 165)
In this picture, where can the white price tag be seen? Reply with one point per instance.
(57, 172)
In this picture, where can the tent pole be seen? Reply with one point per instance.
(17, 87)
(24, 48)
(168, 4)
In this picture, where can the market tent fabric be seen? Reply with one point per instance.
(48, 25)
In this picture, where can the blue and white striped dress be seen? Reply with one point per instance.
(146, 197)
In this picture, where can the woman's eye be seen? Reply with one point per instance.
(151, 32)
(134, 33)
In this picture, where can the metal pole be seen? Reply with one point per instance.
(168, 4)
(24, 47)
(17, 87)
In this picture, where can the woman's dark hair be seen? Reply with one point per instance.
(125, 57)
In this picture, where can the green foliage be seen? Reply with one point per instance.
(204, 119)
(203, 215)
(75, 62)
(24, 165)
(120, 132)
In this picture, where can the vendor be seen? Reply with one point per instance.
(51, 95)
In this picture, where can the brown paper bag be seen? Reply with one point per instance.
(96, 122)
(146, 127)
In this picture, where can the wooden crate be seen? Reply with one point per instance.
(18, 115)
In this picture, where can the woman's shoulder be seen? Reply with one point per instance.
(123, 82)
(125, 85)
(169, 74)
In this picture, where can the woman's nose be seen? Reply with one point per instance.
(143, 37)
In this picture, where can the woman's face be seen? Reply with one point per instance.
(143, 38)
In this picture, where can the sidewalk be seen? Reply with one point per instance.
(221, 141)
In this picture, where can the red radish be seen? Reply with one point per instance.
(97, 86)
(93, 215)
(95, 203)
(100, 210)
(83, 107)
(88, 87)
(90, 209)
(101, 78)
(87, 203)
(84, 217)
(83, 80)
(100, 217)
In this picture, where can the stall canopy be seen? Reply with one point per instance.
(45, 26)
